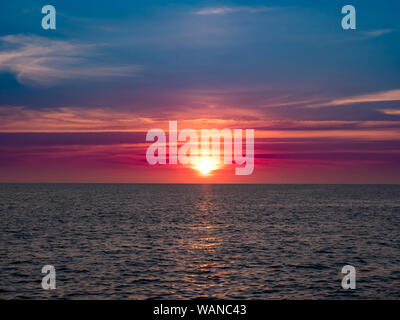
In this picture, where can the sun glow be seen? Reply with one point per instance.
(206, 165)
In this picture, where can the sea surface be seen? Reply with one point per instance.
(138, 241)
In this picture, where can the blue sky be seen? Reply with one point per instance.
(209, 44)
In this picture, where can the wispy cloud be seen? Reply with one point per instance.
(377, 33)
(391, 112)
(67, 119)
(45, 61)
(226, 10)
(390, 95)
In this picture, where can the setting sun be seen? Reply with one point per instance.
(205, 166)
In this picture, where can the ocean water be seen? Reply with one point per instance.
(121, 241)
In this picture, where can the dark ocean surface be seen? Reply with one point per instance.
(121, 241)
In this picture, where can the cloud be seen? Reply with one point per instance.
(377, 33)
(45, 61)
(110, 119)
(68, 119)
(390, 95)
(226, 10)
(391, 112)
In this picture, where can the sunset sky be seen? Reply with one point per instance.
(76, 102)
